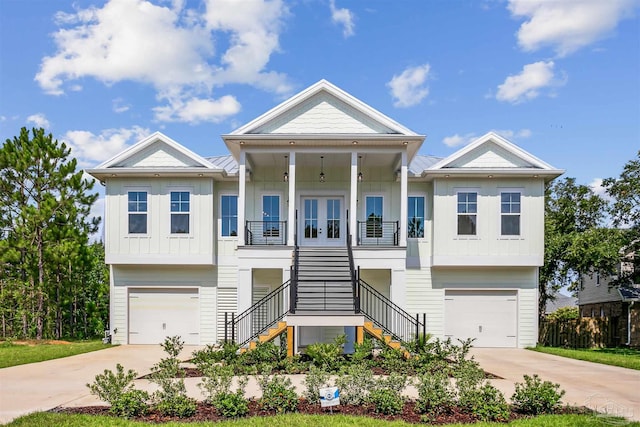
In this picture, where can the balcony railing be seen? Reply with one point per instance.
(378, 233)
(265, 233)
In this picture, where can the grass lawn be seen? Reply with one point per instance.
(623, 357)
(12, 354)
(294, 420)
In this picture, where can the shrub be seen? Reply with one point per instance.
(278, 394)
(564, 313)
(315, 380)
(327, 355)
(117, 390)
(486, 403)
(537, 397)
(468, 377)
(362, 353)
(227, 352)
(393, 360)
(354, 383)
(436, 396)
(231, 405)
(171, 397)
(386, 401)
(216, 379)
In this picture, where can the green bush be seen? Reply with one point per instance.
(327, 355)
(231, 405)
(216, 379)
(171, 397)
(355, 382)
(436, 396)
(564, 313)
(316, 379)
(486, 403)
(117, 390)
(535, 396)
(386, 401)
(227, 352)
(278, 394)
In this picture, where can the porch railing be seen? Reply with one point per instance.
(258, 318)
(265, 233)
(378, 233)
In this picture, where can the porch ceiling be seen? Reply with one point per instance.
(331, 160)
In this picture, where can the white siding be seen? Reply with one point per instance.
(490, 156)
(227, 302)
(118, 315)
(488, 247)
(159, 246)
(422, 298)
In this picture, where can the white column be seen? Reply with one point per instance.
(398, 287)
(242, 174)
(291, 221)
(245, 285)
(286, 275)
(403, 200)
(353, 199)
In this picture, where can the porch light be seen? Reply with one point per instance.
(322, 169)
(360, 177)
(285, 175)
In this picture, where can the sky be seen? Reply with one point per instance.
(561, 79)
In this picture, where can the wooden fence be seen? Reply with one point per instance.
(577, 333)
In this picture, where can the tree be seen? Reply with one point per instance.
(576, 239)
(45, 204)
(625, 212)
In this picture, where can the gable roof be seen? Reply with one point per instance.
(155, 155)
(492, 155)
(321, 113)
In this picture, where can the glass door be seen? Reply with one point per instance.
(322, 223)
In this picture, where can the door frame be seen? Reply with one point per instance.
(325, 194)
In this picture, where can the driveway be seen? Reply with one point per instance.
(45, 385)
(601, 387)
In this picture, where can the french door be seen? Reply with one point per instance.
(322, 221)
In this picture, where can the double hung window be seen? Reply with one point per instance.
(229, 215)
(137, 209)
(180, 212)
(467, 213)
(415, 220)
(510, 214)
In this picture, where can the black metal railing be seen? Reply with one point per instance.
(354, 282)
(258, 318)
(265, 233)
(293, 289)
(387, 315)
(378, 233)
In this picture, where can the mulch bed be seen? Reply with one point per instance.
(206, 412)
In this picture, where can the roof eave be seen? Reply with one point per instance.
(546, 174)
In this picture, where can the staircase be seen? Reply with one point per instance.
(324, 281)
(384, 337)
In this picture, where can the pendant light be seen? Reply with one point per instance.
(360, 177)
(285, 175)
(322, 169)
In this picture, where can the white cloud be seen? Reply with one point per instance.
(169, 47)
(197, 110)
(91, 149)
(527, 85)
(459, 140)
(409, 88)
(344, 17)
(597, 188)
(119, 106)
(39, 120)
(567, 26)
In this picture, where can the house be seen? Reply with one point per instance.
(619, 306)
(560, 301)
(323, 220)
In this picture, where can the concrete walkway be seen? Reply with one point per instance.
(601, 387)
(45, 385)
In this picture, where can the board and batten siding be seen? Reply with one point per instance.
(422, 298)
(158, 245)
(522, 279)
(488, 247)
(202, 278)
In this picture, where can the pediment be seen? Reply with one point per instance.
(490, 155)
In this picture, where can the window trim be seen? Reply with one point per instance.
(364, 213)
(477, 193)
(424, 219)
(188, 190)
(500, 213)
(220, 235)
(128, 190)
(280, 203)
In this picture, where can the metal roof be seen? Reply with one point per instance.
(227, 163)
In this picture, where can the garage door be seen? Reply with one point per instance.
(488, 316)
(155, 314)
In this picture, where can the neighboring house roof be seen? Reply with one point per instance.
(560, 301)
(421, 163)
(492, 155)
(630, 294)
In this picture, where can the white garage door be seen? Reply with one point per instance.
(488, 316)
(155, 314)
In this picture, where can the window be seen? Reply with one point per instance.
(137, 208)
(179, 212)
(415, 220)
(374, 216)
(271, 215)
(467, 213)
(510, 214)
(229, 215)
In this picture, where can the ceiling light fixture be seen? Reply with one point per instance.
(285, 175)
(322, 176)
(360, 177)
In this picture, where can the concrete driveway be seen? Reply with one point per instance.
(604, 388)
(45, 385)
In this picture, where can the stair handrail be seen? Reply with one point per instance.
(356, 302)
(258, 318)
(396, 321)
